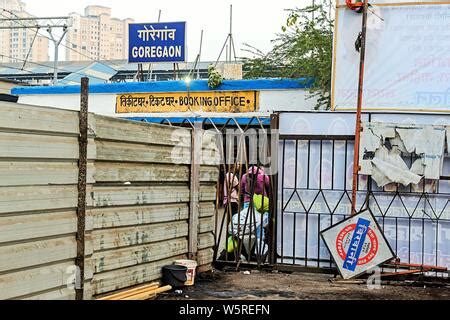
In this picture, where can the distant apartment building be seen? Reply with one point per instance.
(97, 36)
(15, 44)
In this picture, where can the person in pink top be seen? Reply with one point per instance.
(231, 184)
(254, 180)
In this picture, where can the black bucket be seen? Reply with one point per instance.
(174, 275)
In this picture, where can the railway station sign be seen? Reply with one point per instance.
(157, 42)
(357, 245)
(208, 101)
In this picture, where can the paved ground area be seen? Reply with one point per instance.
(262, 285)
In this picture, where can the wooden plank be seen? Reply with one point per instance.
(205, 240)
(129, 292)
(129, 152)
(131, 276)
(130, 256)
(33, 280)
(148, 133)
(56, 294)
(207, 192)
(63, 293)
(36, 253)
(148, 294)
(23, 227)
(27, 198)
(138, 172)
(137, 215)
(32, 118)
(209, 174)
(28, 173)
(210, 157)
(207, 209)
(125, 196)
(130, 236)
(20, 145)
(206, 225)
(205, 256)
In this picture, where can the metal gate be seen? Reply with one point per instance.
(244, 146)
(314, 192)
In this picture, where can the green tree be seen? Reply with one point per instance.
(302, 50)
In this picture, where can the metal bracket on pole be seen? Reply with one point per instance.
(82, 180)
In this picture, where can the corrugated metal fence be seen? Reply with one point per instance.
(138, 202)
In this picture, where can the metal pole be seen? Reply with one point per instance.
(199, 55)
(82, 173)
(150, 67)
(359, 107)
(56, 43)
(231, 31)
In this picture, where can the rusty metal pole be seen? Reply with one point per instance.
(82, 173)
(359, 106)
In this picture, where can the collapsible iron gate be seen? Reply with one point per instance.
(244, 145)
(314, 192)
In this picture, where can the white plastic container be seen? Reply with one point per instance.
(190, 273)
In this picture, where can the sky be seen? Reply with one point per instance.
(254, 21)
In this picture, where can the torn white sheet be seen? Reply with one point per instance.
(374, 134)
(429, 143)
(448, 139)
(384, 144)
(388, 166)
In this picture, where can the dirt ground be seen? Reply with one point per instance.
(266, 285)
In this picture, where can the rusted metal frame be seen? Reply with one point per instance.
(82, 181)
(316, 137)
(359, 107)
(163, 121)
(273, 204)
(194, 184)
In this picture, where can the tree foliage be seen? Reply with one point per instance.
(302, 50)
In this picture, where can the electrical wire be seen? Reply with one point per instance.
(62, 44)
(38, 64)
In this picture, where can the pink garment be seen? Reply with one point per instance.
(262, 183)
(233, 183)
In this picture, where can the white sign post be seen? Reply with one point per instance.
(357, 245)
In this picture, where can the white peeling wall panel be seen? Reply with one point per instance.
(130, 256)
(37, 225)
(206, 240)
(136, 235)
(21, 283)
(125, 196)
(139, 132)
(130, 276)
(27, 198)
(39, 252)
(128, 152)
(207, 209)
(138, 172)
(112, 217)
(25, 173)
(32, 118)
(21, 145)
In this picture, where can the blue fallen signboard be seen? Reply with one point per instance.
(157, 42)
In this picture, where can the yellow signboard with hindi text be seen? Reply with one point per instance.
(214, 101)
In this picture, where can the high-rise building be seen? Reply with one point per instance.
(97, 36)
(15, 44)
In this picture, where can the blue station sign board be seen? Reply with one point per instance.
(157, 42)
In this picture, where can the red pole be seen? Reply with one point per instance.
(359, 106)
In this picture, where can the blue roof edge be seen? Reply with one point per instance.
(171, 86)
